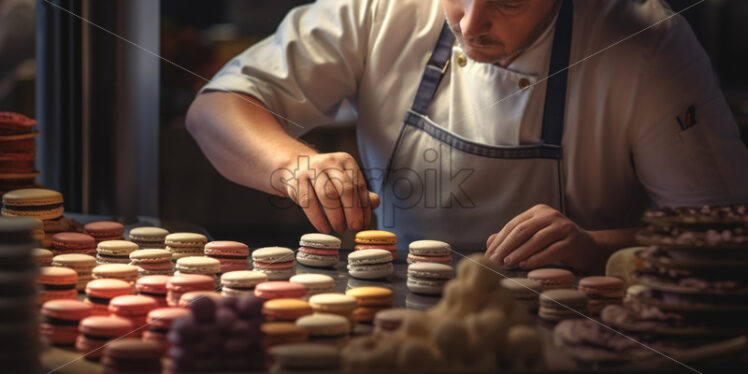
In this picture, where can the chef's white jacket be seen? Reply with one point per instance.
(635, 70)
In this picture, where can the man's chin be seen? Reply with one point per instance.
(484, 55)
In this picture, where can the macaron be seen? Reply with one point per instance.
(73, 242)
(61, 319)
(376, 239)
(282, 333)
(280, 290)
(391, 319)
(285, 309)
(326, 328)
(183, 283)
(189, 297)
(42, 256)
(601, 292)
(38, 203)
(428, 277)
(132, 356)
(100, 291)
(152, 262)
(159, 322)
(199, 265)
(524, 290)
(184, 244)
(241, 282)
(315, 283)
(318, 250)
(277, 262)
(57, 282)
(370, 301)
(114, 251)
(96, 332)
(133, 307)
(82, 264)
(123, 272)
(370, 264)
(306, 356)
(148, 237)
(429, 251)
(231, 255)
(104, 230)
(53, 226)
(560, 304)
(335, 303)
(552, 278)
(153, 286)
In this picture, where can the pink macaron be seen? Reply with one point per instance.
(552, 278)
(179, 285)
(232, 255)
(104, 230)
(280, 289)
(73, 242)
(96, 331)
(100, 291)
(133, 307)
(153, 286)
(601, 292)
(57, 282)
(61, 319)
(159, 322)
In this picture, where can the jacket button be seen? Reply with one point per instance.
(523, 83)
(461, 60)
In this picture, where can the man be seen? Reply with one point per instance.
(541, 129)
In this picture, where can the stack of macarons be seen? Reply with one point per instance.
(370, 264)
(376, 239)
(199, 265)
(154, 286)
(73, 242)
(218, 336)
(152, 262)
(429, 251)
(132, 356)
(18, 298)
(17, 152)
(159, 323)
(61, 319)
(315, 283)
(318, 250)
(280, 290)
(127, 273)
(133, 307)
(285, 309)
(100, 291)
(114, 251)
(428, 278)
(335, 303)
(562, 303)
(326, 328)
(601, 292)
(180, 284)
(240, 282)
(231, 255)
(552, 278)
(96, 332)
(82, 264)
(105, 230)
(184, 244)
(148, 237)
(370, 300)
(276, 262)
(57, 282)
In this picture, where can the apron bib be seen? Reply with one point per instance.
(440, 185)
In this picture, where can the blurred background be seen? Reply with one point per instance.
(112, 114)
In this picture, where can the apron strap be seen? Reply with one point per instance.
(435, 68)
(555, 94)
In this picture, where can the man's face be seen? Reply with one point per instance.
(493, 31)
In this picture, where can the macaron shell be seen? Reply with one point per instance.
(243, 278)
(108, 288)
(552, 278)
(279, 289)
(104, 229)
(375, 237)
(57, 275)
(150, 255)
(314, 260)
(333, 303)
(116, 247)
(315, 283)
(285, 309)
(66, 309)
(412, 259)
(105, 326)
(430, 270)
(369, 256)
(429, 248)
(73, 241)
(325, 324)
(371, 271)
(318, 240)
(132, 305)
(190, 282)
(148, 234)
(199, 265)
(371, 296)
(226, 248)
(153, 284)
(273, 255)
(185, 239)
(278, 333)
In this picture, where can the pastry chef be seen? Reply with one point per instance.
(537, 129)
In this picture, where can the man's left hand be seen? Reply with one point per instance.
(539, 236)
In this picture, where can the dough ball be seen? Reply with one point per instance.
(452, 337)
(523, 348)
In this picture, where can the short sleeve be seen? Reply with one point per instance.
(686, 146)
(308, 68)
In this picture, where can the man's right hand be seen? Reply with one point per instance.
(331, 190)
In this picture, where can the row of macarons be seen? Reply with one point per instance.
(551, 291)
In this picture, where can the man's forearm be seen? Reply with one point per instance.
(242, 140)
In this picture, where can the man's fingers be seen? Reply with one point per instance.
(349, 200)
(330, 201)
(516, 232)
(551, 254)
(537, 242)
(307, 200)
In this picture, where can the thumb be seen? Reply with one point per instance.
(374, 200)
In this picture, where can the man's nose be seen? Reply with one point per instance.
(474, 21)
